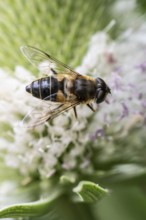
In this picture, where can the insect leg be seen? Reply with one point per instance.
(53, 71)
(48, 98)
(91, 107)
(60, 109)
(75, 112)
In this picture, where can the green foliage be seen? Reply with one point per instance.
(62, 28)
(32, 209)
(89, 192)
(142, 5)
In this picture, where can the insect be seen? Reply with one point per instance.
(61, 85)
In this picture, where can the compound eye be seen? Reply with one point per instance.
(100, 96)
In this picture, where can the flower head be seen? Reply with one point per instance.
(66, 144)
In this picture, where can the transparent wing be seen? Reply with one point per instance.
(46, 63)
(41, 115)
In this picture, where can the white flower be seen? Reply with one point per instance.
(68, 144)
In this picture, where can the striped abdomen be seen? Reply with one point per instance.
(44, 88)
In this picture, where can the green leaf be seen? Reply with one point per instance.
(32, 209)
(89, 191)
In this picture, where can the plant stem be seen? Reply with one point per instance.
(72, 211)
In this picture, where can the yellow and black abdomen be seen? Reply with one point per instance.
(44, 88)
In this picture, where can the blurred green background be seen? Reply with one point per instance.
(62, 28)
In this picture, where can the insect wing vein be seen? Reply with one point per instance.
(45, 63)
(37, 117)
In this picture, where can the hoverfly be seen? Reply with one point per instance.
(62, 86)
